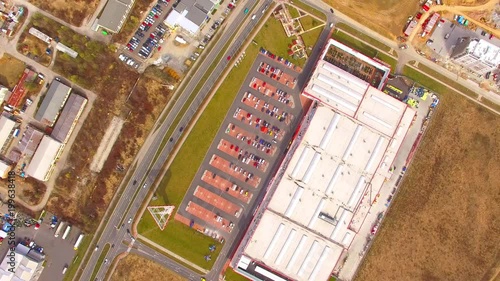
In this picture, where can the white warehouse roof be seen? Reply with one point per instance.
(25, 268)
(311, 215)
(44, 159)
(6, 127)
(354, 97)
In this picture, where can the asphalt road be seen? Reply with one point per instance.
(114, 233)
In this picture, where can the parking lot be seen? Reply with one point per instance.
(243, 155)
(58, 252)
(148, 37)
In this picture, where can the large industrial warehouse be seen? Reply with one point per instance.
(45, 157)
(68, 118)
(319, 199)
(52, 103)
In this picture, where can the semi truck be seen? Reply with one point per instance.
(66, 232)
(78, 241)
(59, 229)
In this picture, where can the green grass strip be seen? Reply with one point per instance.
(363, 36)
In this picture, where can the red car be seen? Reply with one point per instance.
(228, 57)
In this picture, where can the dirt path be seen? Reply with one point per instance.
(459, 10)
(107, 143)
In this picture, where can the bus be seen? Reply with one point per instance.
(59, 229)
(66, 232)
(78, 242)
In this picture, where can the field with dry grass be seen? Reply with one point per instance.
(445, 223)
(72, 11)
(33, 48)
(385, 17)
(464, 2)
(11, 69)
(136, 268)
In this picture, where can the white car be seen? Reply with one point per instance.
(122, 57)
(129, 220)
(145, 185)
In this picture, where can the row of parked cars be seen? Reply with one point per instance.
(155, 38)
(129, 61)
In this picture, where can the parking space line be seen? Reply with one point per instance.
(277, 74)
(227, 186)
(243, 155)
(264, 126)
(240, 134)
(234, 170)
(272, 91)
(256, 103)
(210, 217)
(217, 201)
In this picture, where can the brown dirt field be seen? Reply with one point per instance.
(464, 2)
(444, 223)
(70, 11)
(136, 268)
(11, 69)
(387, 17)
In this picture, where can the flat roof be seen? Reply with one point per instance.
(69, 116)
(296, 251)
(25, 267)
(485, 51)
(190, 14)
(52, 103)
(354, 97)
(312, 215)
(30, 140)
(114, 14)
(44, 159)
(384, 69)
(6, 127)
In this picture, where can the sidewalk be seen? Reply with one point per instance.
(172, 254)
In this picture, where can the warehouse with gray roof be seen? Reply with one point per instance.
(190, 15)
(115, 14)
(52, 103)
(68, 118)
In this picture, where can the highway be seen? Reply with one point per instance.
(115, 234)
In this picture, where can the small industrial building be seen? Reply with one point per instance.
(317, 202)
(478, 55)
(40, 35)
(114, 14)
(30, 141)
(5, 168)
(28, 265)
(190, 15)
(6, 127)
(43, 162)
(52, 103)
(4, 94)
(69, 117)
(67, 50)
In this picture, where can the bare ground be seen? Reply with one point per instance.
(387, 17)
(136, 268)
(70, 11)
(464, 2)
(445, 222)
(11, 69)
